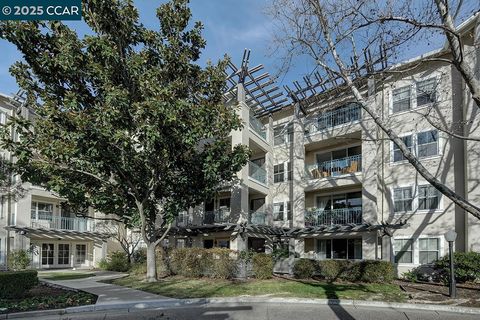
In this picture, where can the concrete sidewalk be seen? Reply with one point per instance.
(107, 293)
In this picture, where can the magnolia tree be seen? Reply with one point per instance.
(125, 121)
(346, 39)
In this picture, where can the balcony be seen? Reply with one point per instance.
(334, 168)
(257, 173)
(344, 216)
(333, 118)
(216, 216)
(64, 223)
(258, 127)
(259, 218)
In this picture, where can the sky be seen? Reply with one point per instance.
(230, 27)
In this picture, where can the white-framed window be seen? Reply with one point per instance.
(41, 211)
(397, 154)
(3, 117)
(350, 249)
(63, 254)
(279, 173)
(427, 144)
(278, 210)
(289, 211)
(428, 250)
(428, 197)
(401, 99)
(403, 250)
(426, 91)
(402, 199)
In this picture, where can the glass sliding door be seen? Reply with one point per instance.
(63, 254)
(350, 249)
(80, 254)
(47, 254)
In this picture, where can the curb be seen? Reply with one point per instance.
(175, 303)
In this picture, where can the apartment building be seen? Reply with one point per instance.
(325, 182)
(38, 221)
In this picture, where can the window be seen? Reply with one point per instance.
(339, 249)
(278, 210)
(428, 250)
(401, 99)
(63, 253)
(402, 198)
(224, 204)
(427, 143)
(47, 254)
(403, 250)
(426, 91)
(397, 154)
(289, 211)
(283, 134)
(80, 253)
(42, 211)
(290, 133)
(278, 173)
(289, 171)
(428, 198)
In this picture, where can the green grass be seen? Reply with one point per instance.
(179, 287)
(64, 275)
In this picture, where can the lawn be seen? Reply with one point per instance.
(64, 275)
(179, 287)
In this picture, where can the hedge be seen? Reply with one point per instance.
(467, 266)
(15, 284)
(355, 271)
(262, 266)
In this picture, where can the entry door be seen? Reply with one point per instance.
(63, 254)
(47, 254)
(80, 254)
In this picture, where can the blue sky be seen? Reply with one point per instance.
(230, 26)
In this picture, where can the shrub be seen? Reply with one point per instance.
(18, 260)
(262, 266)
(163, 263)
(467, 266)
(329, 269)
(139, 256)
(304, 269)
(187, 262)
(15, 284)
(218, 264)
(118, 261)
(138, 269)
(103, 264)
(377, 271)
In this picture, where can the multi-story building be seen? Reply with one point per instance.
(324, 179)
(36, 220)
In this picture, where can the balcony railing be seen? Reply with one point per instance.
(258, 127)
(335, 167)
(257, 173)
(259, 218)
(217, 216)
(345, 216)
(345, 114)
(64, 223)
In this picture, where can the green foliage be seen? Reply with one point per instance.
(304, 268)
(140, 255)
(127, 122)
(467, 266)
(103, 264)
(15, 284)
(376, 271)
(246, 256)
(262, 266)
(118, 261)
(220, 264)
(18, 260)
(138, 269)
(279, 253)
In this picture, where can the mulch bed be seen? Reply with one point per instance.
(45, 297)
(468, 295)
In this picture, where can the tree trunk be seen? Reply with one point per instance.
(151, 263)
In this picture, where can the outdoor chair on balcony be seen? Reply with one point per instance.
(353, 167)
(315, 173)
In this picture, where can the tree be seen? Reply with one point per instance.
(128, 237)
(126, 121)
(334, 33)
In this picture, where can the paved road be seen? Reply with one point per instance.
(274, 311)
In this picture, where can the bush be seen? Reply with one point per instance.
(378, 271)
(118, 261)
(15, 284)
(364, 271)
(103, 264)
(18, 260)
(467, 266)
(304, 269)
(219, 265)
(187, 262)
(139, 256)
(262, 266)
(138, 269)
